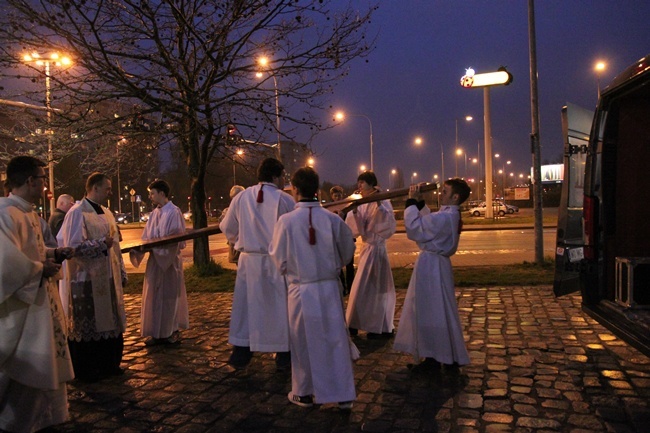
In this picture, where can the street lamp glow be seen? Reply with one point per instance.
(600, 66)
(310, 162)
(393, 171)
(362, 168)
(469, 118)
(417, 141)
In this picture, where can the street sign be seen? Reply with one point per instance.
(138, 199)
(50, 196)
(132, 192)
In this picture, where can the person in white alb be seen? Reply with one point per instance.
(371, 306)
(34, 359)
(430, 326)
(310, 246)
(92, 285)
(164, 298)
(258, 321)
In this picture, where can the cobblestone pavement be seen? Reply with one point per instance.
(538, 364)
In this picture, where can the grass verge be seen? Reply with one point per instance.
(217, 279)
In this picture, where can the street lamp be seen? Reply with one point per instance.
(55, 59)
(460, 152)
(467, 119)
(393, 177)
(311, 162)
(119, 190)
(413, 177)
(340, 116)
(362, 168)
(234, 175)
(599, 67)
(264, 62)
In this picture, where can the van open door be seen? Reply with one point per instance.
(576, 125)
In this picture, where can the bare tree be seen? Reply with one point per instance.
(191, 66)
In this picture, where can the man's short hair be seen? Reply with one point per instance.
(460, 187)
(306, 182)
(268, 169)
(95, 179)
(368, 177)
(20, 168)
(161, 186)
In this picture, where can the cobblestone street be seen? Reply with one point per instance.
(538, 364)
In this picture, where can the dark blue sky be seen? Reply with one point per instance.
(410, 85)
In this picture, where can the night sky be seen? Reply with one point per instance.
(410, 85)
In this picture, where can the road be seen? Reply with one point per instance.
(477, 247)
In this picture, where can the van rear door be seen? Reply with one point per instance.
(576, 124)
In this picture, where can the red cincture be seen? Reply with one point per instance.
(312, 232)
(260, 194)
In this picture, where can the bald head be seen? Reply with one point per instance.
(65, 202)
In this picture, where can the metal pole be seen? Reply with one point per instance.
(50, 156)
(119, 190)
(372, 158)
(487, 130)
(456, 150)
(442, 159)
(534, 138)
(277, 115)
(234, 178)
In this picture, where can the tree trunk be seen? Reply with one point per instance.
(199, 220)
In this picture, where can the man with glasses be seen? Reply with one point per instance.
(34, 358)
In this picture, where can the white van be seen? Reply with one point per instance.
(603, 235)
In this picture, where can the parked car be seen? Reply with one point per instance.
(188, 215)
(123, 218)
(512, 208)
(499, 208)
(145, 216)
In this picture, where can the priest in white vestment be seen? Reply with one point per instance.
(91, 290)
(310, 246)
(429, 326)
(34, 359)
(371, 306)
(258, 321)
(164, 298)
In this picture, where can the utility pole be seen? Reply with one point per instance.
(534, 138)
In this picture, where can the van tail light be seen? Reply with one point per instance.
(589, 224)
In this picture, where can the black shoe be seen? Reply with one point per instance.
(241, 356)
(452, 368)
(283, 361)
(426, 366)
(353, 331)
(301, 400)
(377, 336)
(117, 371)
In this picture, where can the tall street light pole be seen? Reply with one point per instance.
(471, 80)
(340, 116)
(263, 62)
(234, 175)
(57, 60)
(119, 189)
(599, 67)
(534, 137)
